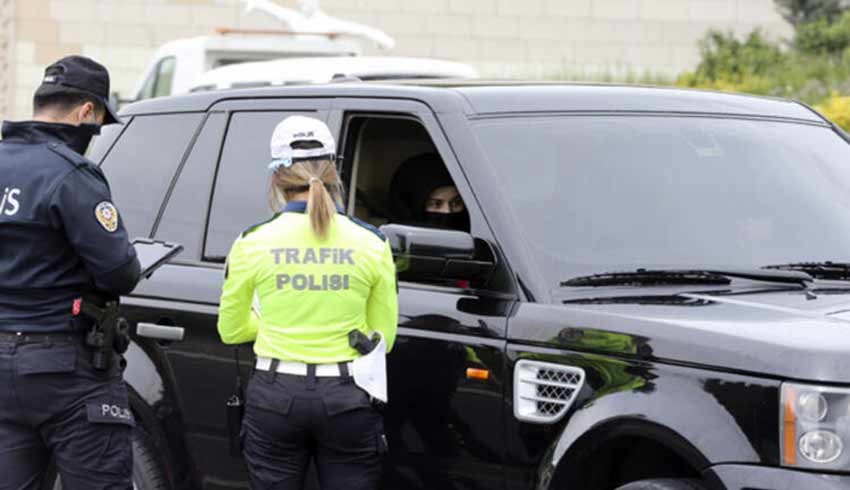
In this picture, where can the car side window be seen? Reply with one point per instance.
(103, 143)
(185, 214)
(141, 165)
(239, 198)
(396, 175)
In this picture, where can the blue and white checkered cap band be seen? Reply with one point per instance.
(280, 162)
(287, 162)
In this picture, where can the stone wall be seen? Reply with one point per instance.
(571, 39)
(7, 32)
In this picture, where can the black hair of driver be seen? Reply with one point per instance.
(414, 180)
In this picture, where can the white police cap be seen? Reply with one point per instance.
(295, 129)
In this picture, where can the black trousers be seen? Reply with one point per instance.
(290, 420)
(53, 404)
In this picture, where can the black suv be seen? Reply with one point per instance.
(653, 293)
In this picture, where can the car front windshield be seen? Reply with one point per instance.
(594, 194)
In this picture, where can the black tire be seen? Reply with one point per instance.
(664, 484)
(147, 469)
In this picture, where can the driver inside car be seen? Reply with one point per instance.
(422, 193)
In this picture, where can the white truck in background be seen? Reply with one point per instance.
(235, 56)
(301, 71)
(177, 64)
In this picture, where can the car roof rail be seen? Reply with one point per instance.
(343, 78)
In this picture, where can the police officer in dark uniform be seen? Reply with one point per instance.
(61, 238)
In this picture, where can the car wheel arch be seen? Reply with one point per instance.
(585, 454)
(678, 403)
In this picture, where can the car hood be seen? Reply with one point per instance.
(787, 334)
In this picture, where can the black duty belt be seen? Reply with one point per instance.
(31, 338)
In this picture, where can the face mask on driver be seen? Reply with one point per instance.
(451, 221)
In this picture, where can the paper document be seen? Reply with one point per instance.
(370, 371)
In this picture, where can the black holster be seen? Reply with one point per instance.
(361, 343)
(109, 336)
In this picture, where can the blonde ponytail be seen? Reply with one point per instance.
(320, 207)
(320, 180)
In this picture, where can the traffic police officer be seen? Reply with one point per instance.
(60, 238)
(317, 275)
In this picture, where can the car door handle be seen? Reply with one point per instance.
(160, 332)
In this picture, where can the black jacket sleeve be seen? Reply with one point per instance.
(82, 206)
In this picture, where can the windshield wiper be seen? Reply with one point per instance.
(665, 300)
(820, 270)
(664, 277)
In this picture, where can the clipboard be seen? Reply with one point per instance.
(153, 254)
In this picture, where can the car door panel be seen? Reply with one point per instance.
(445, 427)
(444, 423)
(202, 368)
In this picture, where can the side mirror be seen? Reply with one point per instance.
(429, 254)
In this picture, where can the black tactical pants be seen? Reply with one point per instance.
(290, 420)
(53, 404)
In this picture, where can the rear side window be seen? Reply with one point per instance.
(142, 163)
(102, 143)
(185, 214)
(239, 199)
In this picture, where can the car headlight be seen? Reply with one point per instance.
(815, 429)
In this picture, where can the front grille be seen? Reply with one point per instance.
(543, 392)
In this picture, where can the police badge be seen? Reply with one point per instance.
(107, 216)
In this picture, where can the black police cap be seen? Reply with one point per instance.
(78, 74)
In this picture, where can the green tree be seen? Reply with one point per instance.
(724, 57)
(814, 67)
(799, 12)
(823, 36)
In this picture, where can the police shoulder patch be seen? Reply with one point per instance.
(107, 216)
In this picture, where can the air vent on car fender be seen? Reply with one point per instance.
(543, 392)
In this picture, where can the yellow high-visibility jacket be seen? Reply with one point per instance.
(311, 292)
